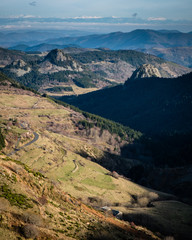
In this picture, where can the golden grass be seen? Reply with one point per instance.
(45, 155)
(53, 153)
(76, 90)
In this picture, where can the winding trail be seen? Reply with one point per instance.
(36, 137)
(76, 166)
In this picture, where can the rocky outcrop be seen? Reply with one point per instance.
(115, 71)
(57, 61)
(19, 63)
(19, 67)
(146, 71)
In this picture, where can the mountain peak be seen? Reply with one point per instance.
(57, 55)
(145, 71)
(57, 60)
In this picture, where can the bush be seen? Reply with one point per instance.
(144, 200)
(43, 200)
(30, 231)
(32, 218)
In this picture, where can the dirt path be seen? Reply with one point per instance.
(36, 137)
(76, 166)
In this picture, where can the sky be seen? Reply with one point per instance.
(177, 11)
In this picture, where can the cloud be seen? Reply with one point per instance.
(156, 19)
(15, 27)
(87, 17)
(34, 3)
(20, 17)
(28, 16)
(94, 23)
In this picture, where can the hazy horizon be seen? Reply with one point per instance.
(99, 16)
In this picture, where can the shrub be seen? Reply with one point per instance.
(145, 199)
(18, 200)
(30, 231)
(32, 218)
(36, 174)
(43, 200)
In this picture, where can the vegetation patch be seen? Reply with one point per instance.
(102, 181)
(30, 231)
(59, 89)
(36, 174)
(4, 79)
(86, 124)
(18, 200)
(2, 141)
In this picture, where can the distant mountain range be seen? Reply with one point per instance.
(179, 55)
(117, 40)
(130, 40)
(85, 68)
(35, 37)
(171, 45)
(43, 47)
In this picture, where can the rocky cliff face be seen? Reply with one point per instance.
(57, 61)
(19, 67)
(146, 71)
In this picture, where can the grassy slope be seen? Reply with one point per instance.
(34, 207)
(53, 154)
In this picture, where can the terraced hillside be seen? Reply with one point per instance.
(31, 206)
(53, 152)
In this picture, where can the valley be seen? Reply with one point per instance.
(165, 101)
(60, 150)
(95, 135)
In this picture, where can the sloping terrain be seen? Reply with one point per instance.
(179, 55)
(53, 153)
(8, 56)
(56, 68)
(119, 65)
(32, 206)
(151, 105)
(159, 108)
